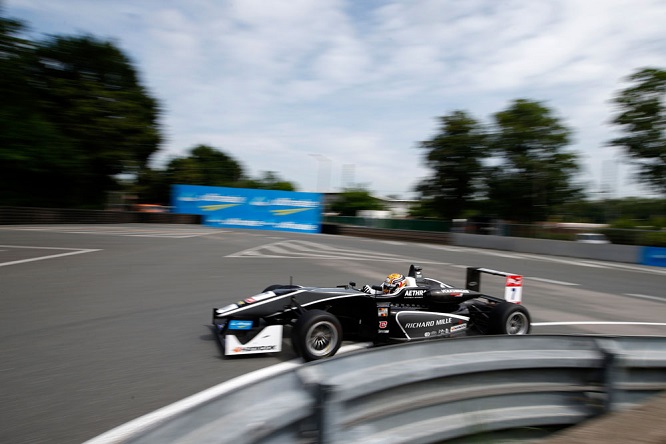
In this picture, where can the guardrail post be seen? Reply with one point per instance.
(324, 414)
(611, 368)
(325, 428)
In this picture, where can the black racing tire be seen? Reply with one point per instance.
(510, 319)
(317, 334)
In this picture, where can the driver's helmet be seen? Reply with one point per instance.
(393, 283)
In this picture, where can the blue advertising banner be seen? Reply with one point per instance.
(249, 208)
(655, 256)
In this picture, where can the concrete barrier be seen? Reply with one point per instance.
(29, 216)
(606, 252)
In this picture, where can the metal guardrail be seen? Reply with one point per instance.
(421, 393)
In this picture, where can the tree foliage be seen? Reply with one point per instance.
(352, 200)
(641, 115)
(455, 154)
(517, 170)
(34, 154)
(269, 180)
(534, 172)
(205, 166)
(91, 92)
(73, 115)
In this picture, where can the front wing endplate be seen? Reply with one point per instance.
(269, 340)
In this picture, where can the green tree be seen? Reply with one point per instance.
(152, 186)
(641, 115)
(534, 172)
(352, 200)
(92, 96)
(37, 163)
(269, 180)
(205, 166)
(455, 155)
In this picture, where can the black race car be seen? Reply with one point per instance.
(322, 317)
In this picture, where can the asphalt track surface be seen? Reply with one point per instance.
(102, 324)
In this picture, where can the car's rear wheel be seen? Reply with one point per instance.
(316, 334)
(510, 319)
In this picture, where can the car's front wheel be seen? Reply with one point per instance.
(510, 319)
(316, 334)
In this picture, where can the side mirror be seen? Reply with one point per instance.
(352, 284)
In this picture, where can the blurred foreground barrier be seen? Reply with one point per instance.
(418, 393)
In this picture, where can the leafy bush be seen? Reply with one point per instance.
(653, 238)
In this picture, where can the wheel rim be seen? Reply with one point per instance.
(517, 324)
(321, 338)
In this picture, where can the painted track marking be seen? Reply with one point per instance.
(72, 252)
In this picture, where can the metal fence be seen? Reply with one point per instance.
(654, 237)
(391, 224)
(425, 392)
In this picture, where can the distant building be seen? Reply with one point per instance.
(397, 208)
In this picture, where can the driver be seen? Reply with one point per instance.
(393, 283)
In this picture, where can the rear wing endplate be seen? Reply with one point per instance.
(513, 287)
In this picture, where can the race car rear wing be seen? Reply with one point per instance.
(513, 288)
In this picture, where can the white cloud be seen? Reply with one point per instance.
(363, 82)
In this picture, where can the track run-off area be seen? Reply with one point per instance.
(102, 324)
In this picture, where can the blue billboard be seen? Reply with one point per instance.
(250, 208)
(655, 256)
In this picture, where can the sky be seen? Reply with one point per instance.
(331, 94)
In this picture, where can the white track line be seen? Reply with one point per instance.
(544, 324)
(41, 258)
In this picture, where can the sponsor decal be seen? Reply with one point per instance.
(454, 291)
(289, 212)
(216, 207)
(383, 312)
(382, 331)
(415, 293)
(513, 291)
(414, 324)
(236, 324)
(254, 348)
(383, 324)
(427, 324)
(268, 341)
(259, 297)
(213, 197)
(295, 226)
(458, 327)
